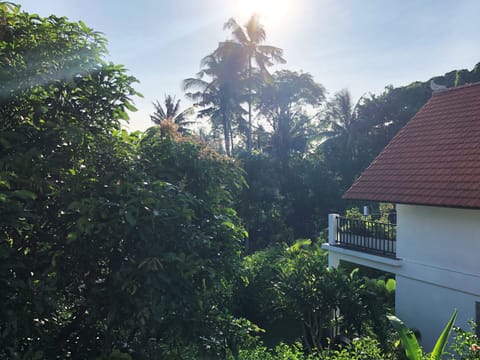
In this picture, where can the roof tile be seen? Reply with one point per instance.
(434, 159)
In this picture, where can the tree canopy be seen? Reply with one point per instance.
(108, 241)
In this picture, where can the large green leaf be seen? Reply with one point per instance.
(413, 351)
(442, 340)
(390, 285)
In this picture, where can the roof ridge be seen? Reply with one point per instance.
(460, 87)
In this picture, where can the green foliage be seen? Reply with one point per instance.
(354, 213)
(413, 350)
(294, 284)
(151, 255)
(283, 102)
(248, 44)
(219, 97)
(284, 200)
(439, 347)
(171, 113)
(281, 352)
(235, 72)
(112, 244)
(465, 344)
(59, 102)
(359, 349)
(356, 223)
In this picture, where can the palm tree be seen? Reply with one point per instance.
(220, 96)
(340, 119)
(249, 40)
(283, 104)
(342, 129)
(339, 115)
(172, 113)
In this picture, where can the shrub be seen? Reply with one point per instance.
(465, 344)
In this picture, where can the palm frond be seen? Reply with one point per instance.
(237, 31)
(255, 30)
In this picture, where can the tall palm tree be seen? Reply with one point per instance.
(172, 113)
(340, 118)
(343, 127)
(283, 104)
(249, 39)
(219, 96)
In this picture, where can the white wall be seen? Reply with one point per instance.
(428, 308)
(445, 237)
(440, 252)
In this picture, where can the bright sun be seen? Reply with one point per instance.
(271, 11)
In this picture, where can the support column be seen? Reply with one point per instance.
(332, 228)
(333, 258)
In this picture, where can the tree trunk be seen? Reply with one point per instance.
(226, 133)
(231, 137)
(249, 132)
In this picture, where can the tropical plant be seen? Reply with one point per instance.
(340, 115)
(6, 31)
(219, 97)
(285, 200)
(413, 350)
(249, 40)
(60, 102)
(172, 113)
(465, 344)
(343, 130)
(111, 244)
(291, 288)
(359, 349)
(364, 348)
(283, 103)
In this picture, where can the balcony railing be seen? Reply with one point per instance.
(367, 236)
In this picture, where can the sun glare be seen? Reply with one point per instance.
(271, 11)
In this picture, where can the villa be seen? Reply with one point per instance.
(431, 172)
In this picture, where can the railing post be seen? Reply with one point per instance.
(332, 228)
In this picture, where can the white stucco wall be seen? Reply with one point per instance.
(428, 308)
(440, 252)
(444, 237)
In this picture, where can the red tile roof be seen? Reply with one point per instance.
(434, 160)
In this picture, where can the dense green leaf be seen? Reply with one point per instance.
(439, 347)
(412, 348)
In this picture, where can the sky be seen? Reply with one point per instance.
(361, 45)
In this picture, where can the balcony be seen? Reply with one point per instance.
(372, 237)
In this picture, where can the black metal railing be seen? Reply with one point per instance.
(368, 236)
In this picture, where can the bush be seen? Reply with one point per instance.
(291, 287)
(360, 349)
(465, 344)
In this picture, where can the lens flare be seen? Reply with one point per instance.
(271, 11)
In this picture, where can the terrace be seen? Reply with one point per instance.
(367, 236)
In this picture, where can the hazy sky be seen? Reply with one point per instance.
(362, 45)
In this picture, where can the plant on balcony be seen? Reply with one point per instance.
(368, 228)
